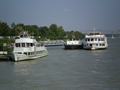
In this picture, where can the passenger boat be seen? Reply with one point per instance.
(73, 44)
(26, 48)
(95, 40)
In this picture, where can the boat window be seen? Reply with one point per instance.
(25, 53)
(17, 44)
(96, 44)
(28, 44)
(91, 39)
(28, 53)
(99, 39)
(33, 53)
(103, 44)
(102, 39)
(95, 39)
(31, 44)
(88, 39)
(19, 52)
(100, 44)
(91, 45)
(23, 44)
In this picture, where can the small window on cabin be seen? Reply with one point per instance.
(99, 39)
(27, 44)
(88, 39)
(91, 45)
(102, 39)
(100, 44)
(25, 53)
(91, 39)
(103, 44)
(17, 44)
(28, 53)
(95, 39)
(19, 52)
(23, 44)
(32, 53)
(31, 44)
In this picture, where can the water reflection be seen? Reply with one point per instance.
(24, 67)
(98, 52)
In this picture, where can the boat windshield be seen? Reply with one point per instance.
(24, 44)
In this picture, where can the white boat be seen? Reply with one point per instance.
(73, 44)
(95, 40)
(26, 48)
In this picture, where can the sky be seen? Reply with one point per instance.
(78, 15)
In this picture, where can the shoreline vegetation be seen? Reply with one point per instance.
(42, 33)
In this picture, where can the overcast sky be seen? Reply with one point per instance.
(80, 15)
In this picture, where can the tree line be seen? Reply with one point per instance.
(52, 32)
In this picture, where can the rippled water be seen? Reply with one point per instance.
(65, 70)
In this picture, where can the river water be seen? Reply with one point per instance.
(65, 70)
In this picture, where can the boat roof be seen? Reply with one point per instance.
(25, 40)
(95, 33)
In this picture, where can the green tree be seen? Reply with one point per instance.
(4, 29)
(44, 32)
(61, 33)
(53, 31)
(17, 29)
(74, 35)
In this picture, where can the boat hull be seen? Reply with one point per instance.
(22, 57)
(95, 48)
(73, 46)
